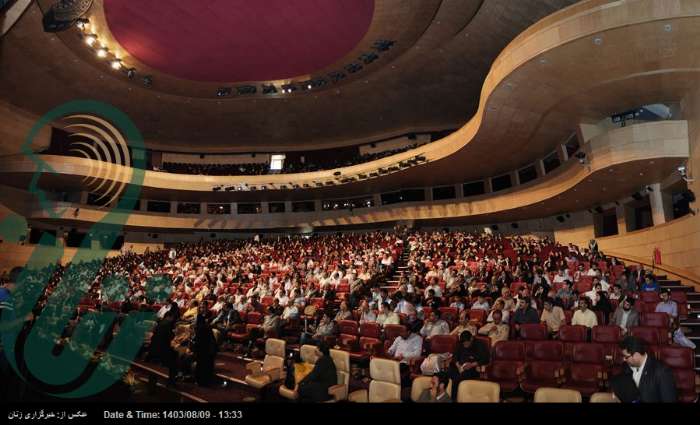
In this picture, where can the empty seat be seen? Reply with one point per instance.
(657, 320)
(341, 359)
(478, 315)
(557, 395)
(385, 386)
(587, 372)
(681, 360)
(470, 391)
(570, 334)
(649, 297)
(533, 331)
(648, 334)
(508, 365)
(348, 327)
(677, 357)
(261, 374)
(371, 329)
(609, 334)
(687, 385)
(443, 344)
(449, 314)
(545, 367)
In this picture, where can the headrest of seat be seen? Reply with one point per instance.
(308, 353)
(557, 395)
(478, 391)
(385, 370)
(275, 347)
(380, 392)
(341, 359)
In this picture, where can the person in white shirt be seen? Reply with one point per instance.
(388, 317)
(435, 287)
(481, 303)
(404, 306)
(366, 314)
(406, 347)
(593, 271)
(584, 316)
(290, 312)
(434, 326)
(562, 276)
(654, 380)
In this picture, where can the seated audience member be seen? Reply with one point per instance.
(553, 316)
(191, 311)
(407, 346)
(314, 387)
(404, 306)
(437, 393)
(602, 303)
(625, 316)
(465, 324)
(616, 294)
(431, 301)
(458, 303)
(584, 316)
(367, 315)
(271, 321)
(434, 325)
(499, 305)
(643, 379)
(667, 305)
(650, 284)
(525, 314)
(496, 330)
(565, 296)
(326, 327)
(344, 313)
(388, 317)
(469, 355)
(481, 303)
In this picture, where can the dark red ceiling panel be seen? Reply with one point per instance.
(238, 40)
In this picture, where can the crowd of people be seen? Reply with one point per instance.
(305, 288)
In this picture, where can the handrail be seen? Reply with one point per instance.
(691, 278)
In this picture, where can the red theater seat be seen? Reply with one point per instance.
(449, 314)
(657, 320)
(371, 330)
(677, 357)
(686, 385)
(587, 372)
(544, 367)
(649, 297)
(650, 335)
(533, 331)
(508, 365)
(348, 327)
(570, 334)
(443, 344)
(610, 334)
(392, 331)
(478, 315)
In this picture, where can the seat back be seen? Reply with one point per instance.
(275, 347)
(254, 318)
(677, 357)
(348, 327)
(572, 333)
(392, 331)
(443, 344)
(533, 331)
(557, 395)
(470, 391)
(371, 329)
(478, 315)
(509, 351)
(657, 320)
(341, 359)
(606, 334)
(547, 351)
(604, 398)
(649, 297)
(308, 354)
(386, 380)
(449, 314)
(648, 334)
(588, 353)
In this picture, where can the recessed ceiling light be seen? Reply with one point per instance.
(102, 52)
(668, 28)
(90, 39)
(543, 60)
(597, 41)
(116, 64)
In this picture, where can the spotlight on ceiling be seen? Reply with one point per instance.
(116, 64)
(131, 73)
(82, 24)
(148, 81)
(102, 52)
(90, 39)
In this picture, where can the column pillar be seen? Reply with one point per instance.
(657, 204)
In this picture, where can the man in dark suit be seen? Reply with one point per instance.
(652, 380)
(314, 387)
(160, 347)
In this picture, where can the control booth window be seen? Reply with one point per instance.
(303, 206)
(254, 208)
(276, 207)
(218, 208)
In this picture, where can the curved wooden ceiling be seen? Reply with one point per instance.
(430, 80)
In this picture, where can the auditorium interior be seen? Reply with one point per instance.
(350, 201)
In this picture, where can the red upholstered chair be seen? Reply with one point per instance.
(449, 314)
(267, 301)
(392, 331)
(588, 371)
(648, 334)
(478, 315)
(677, 357)
(687, 385)
(545, 367)
(585, 284)
(681, 298)
(507, 367)
(649, 297)
(318, 302)
(348, 327)
(254, 318)
(427, 311)
(681, 360)
(533, 331)
(610, 334)
(443, 344)
(570, 334)
(371, 330)
(515, 286)
(657, 320)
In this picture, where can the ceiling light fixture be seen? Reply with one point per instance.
(102, 52)
(116, 64)
(82, 24)
(90, 39)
